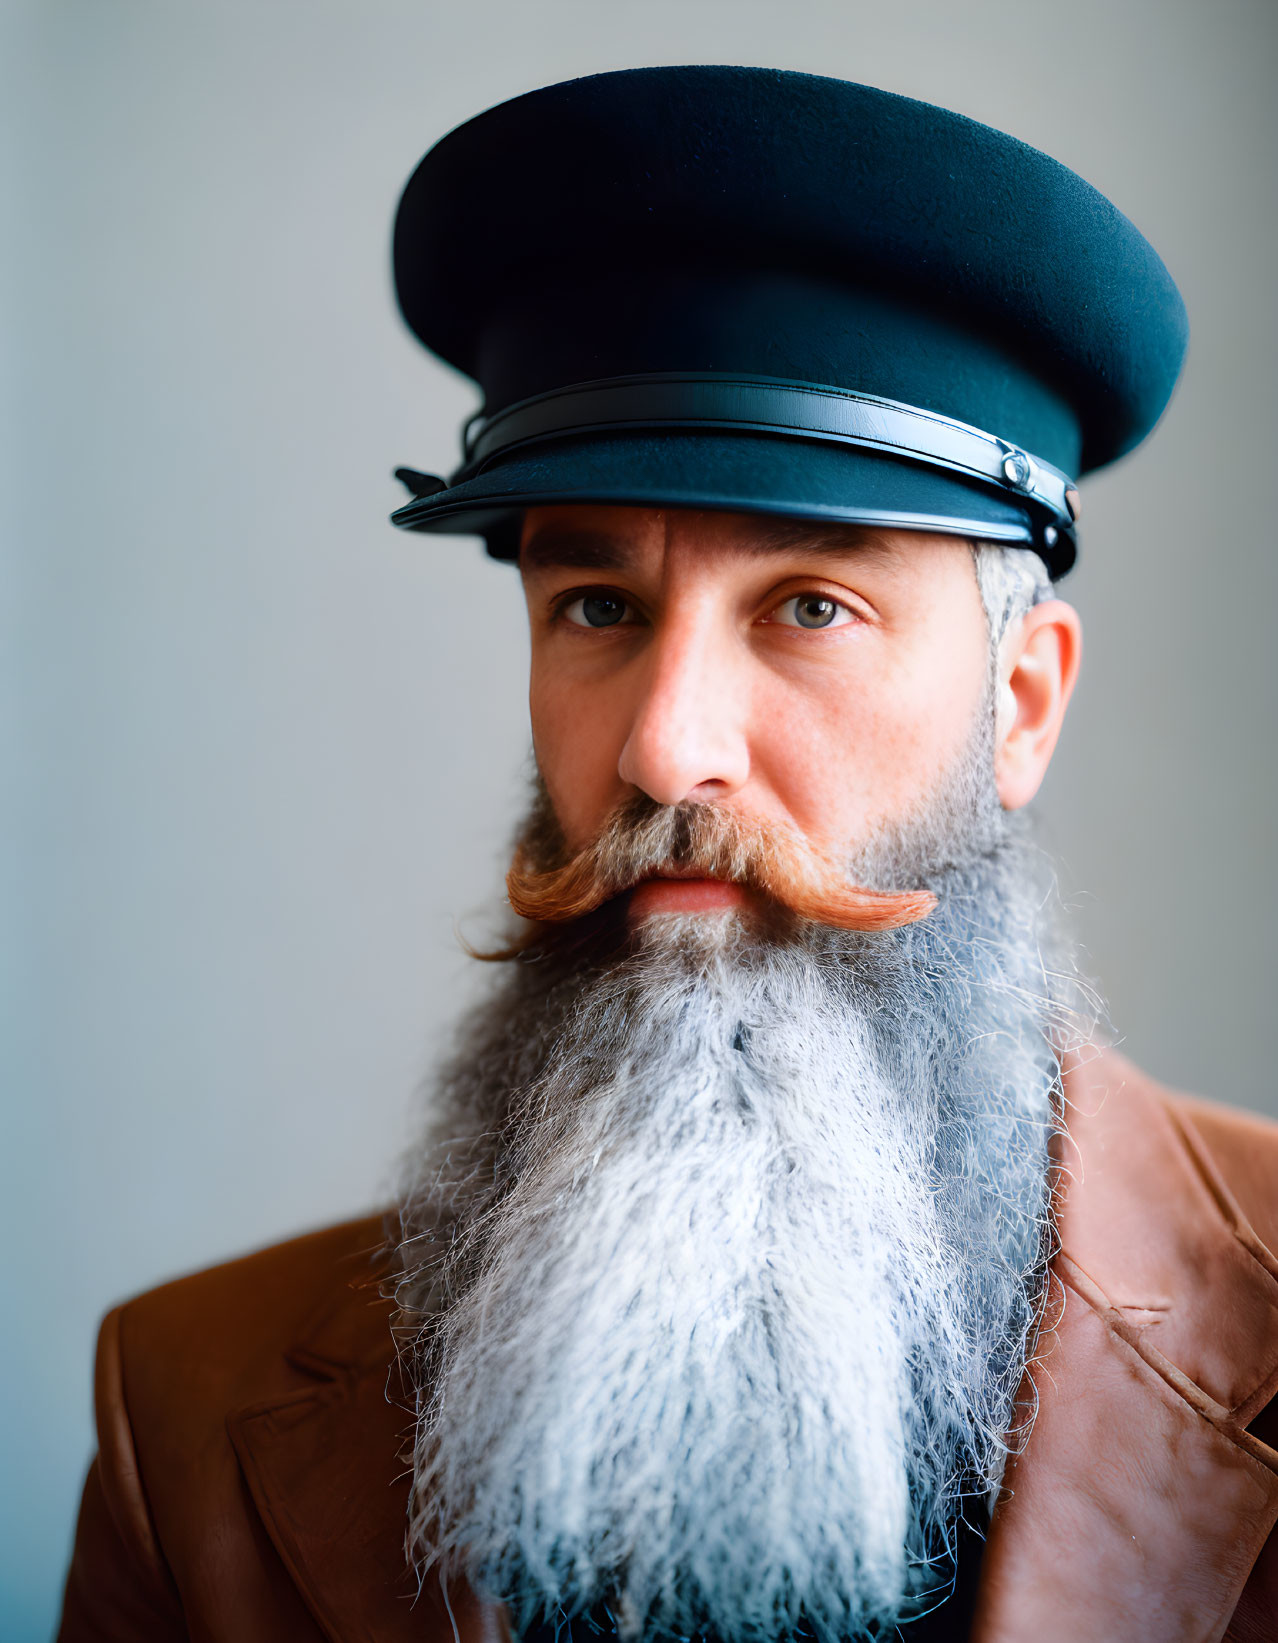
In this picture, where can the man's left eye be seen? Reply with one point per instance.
(596, 610)
(812, 610)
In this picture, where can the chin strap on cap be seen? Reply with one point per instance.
(801, 410)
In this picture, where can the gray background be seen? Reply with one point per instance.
(263, 751)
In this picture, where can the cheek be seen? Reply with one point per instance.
(872, 742)
(578, 734)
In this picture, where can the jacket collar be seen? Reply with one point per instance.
(324, 1469)
(1137, 1508)
(328, 1471)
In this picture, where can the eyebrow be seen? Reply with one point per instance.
(569, 547)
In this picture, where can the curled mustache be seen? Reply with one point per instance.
(643, 839)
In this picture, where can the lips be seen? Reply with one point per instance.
(684, 893)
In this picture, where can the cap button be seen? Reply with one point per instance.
(1018, 470)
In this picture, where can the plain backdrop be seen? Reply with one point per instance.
(262, 751)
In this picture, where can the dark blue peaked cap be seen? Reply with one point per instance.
(747, 288)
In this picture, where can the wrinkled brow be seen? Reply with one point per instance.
(814, 536)
(569, 547)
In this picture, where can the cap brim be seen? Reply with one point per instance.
(745, 471)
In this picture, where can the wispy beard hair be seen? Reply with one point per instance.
(720, 1266)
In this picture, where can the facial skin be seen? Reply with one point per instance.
(820, 680)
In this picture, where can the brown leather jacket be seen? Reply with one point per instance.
(248, 1487)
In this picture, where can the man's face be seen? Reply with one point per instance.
(821, 680)
(743, 1219)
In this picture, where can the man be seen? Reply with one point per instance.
(783, 1258)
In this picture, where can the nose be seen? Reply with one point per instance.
(687, 739)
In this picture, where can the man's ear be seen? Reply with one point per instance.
(1038, 665)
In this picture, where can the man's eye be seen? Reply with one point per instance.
(812, 610)
(596, 610)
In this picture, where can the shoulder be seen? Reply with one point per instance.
(1236, 1148)
(223, 1337)
(1244, 1148)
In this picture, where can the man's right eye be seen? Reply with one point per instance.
(595, 610)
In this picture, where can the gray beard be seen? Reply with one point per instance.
(721, 1263)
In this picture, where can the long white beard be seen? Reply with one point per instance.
(723, 1261)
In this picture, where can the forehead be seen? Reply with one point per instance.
(588, 537)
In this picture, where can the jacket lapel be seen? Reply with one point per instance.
(1140, 1503)
(325, 1473)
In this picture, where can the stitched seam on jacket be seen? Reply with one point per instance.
(1088, 1291)
(1254, 1406)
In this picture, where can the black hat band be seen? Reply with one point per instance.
(705, 399)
